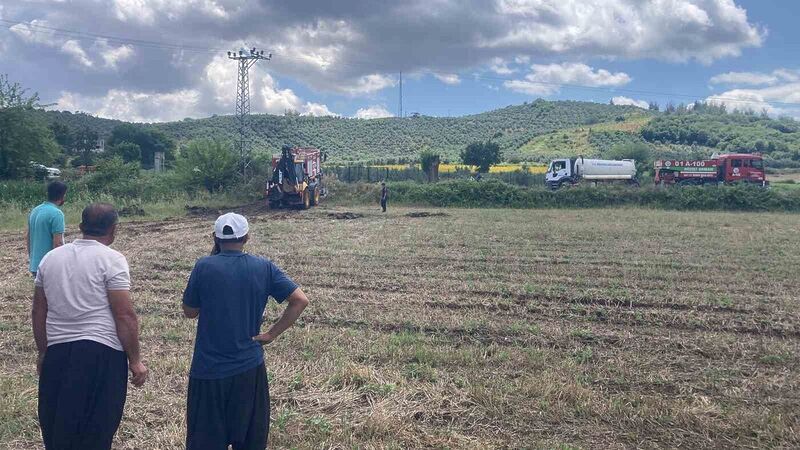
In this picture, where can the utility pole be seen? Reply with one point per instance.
(400, 112)
(246, 59)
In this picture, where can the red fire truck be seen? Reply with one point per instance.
(728, 168)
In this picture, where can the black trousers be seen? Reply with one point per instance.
(228, 411)
(383, 204)
(82, 392)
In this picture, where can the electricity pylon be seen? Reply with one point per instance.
(246, 59)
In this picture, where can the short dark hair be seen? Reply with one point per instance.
(56, 191)
(98, 218)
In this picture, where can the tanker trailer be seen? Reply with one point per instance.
(575, 170)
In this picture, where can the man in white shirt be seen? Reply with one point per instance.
(87, 335)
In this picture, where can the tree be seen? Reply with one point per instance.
(85, 143)
(637, 151)
(128, 151)
(24, 135)
(64, 136)
(483, 155)
(149, 141)
(429, 160)
(207, 163)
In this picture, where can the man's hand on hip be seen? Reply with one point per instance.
(264, 338)
(138, 374)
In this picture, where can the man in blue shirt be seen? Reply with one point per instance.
(46, 226)
(228, 398)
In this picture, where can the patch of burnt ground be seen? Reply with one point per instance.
(344, 215)
(426, 214)
(201, 211)
(132, 211)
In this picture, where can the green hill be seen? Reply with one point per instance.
(347, 139)
(536, 132)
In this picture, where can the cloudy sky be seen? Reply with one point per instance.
(160, 60)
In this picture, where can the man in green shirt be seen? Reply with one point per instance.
(46, 225)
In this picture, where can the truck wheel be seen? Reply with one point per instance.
(315, 197)
(306, 199)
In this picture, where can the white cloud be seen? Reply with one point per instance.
(500, 66)
(675, 30)
(214, 92)
(134, 106)
(37, 32)
(748, 78)
(547, 79)
(317, 109)
(275, 100)
(630, 102)
(351, 47)
(113, 56)
(368, 84)
(451, 79)
(74, 49)
(373, 112)
(764, 99)
(787, 74)
(147, 12)
(218, 85)
(756, 78)
(30, 33)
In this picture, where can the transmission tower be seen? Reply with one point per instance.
(400, 112)
(246, 59)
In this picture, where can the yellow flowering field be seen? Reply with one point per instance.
(449, 168)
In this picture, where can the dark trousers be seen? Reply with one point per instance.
(383, 204)
(82, 392)
(228, 411)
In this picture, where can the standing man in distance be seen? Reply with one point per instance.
(87, 335)
(228, 398)
(46, 226)
(384, 195)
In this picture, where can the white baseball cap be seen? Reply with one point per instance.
(237, 222)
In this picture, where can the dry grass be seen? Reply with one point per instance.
(480, 329)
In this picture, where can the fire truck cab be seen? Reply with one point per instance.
(728, 168)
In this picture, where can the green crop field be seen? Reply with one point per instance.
(612, 328)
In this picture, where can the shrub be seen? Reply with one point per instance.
(497, 194)
(114, 176)
(208, 164)
(128, 151)
(482, 155)
(429, 161)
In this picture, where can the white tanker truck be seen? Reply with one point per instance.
(573, 171)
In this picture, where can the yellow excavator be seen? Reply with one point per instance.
(296, 178)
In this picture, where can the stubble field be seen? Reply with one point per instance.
(476, 329)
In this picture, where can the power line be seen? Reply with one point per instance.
(361, 65)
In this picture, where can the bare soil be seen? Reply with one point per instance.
(482, 329)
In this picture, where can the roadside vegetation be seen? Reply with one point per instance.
(498, 194)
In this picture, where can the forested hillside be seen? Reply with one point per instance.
(536, 131)
(348, 139)
(391, 138)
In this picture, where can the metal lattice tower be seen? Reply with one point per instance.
(246, 59)
(400, 111)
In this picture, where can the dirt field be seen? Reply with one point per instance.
(477, 329)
